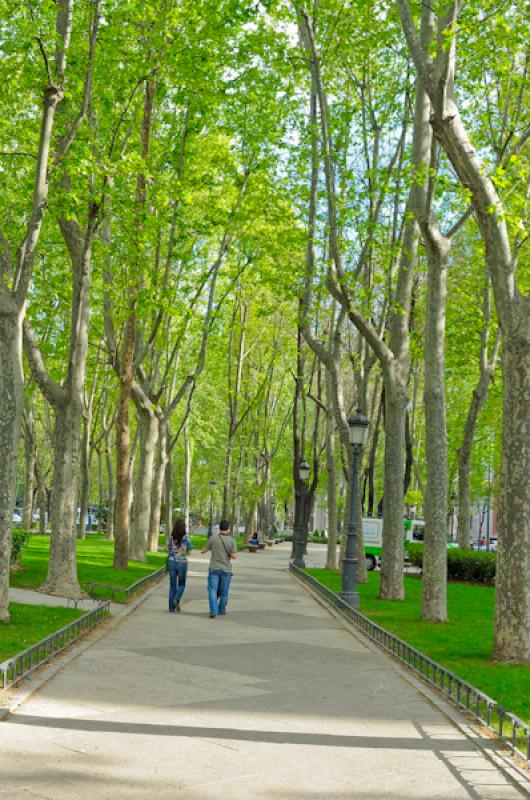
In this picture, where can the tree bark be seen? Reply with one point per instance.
(434, 572)
(30, 453)
(187, 475)
(331, 554)
(13, 302)
(478, 398)
(141, 512)
(62, 567)
(158, 485)
(512, 613)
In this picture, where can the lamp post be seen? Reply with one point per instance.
(299, 542)
(453, 500)
(358, 426)
(211, 484)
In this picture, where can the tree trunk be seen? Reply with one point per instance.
(331, 555)
(512, 610)
(392, 586)
(11, 411)
(30, 460)
(168, 488)
(251, 520)
(84, 476)
(62, 567)
(187, 475)
(123, 446)
(41, 492)
(111, 493)
(434, 583)
(158, 486)
(141, 513)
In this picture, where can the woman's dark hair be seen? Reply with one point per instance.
(179, 531)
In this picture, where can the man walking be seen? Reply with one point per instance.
(223, 550)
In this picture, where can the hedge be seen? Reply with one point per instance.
(472, 566)
(20, 540)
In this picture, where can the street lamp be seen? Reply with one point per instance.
(453, 500)
(211, 484)
(358, 426)
(299, 542)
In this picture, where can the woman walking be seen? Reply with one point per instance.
(178, 547)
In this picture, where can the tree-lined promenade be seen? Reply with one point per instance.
(223, 229)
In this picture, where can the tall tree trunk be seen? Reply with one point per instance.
(158, 485)
(434, 582)
(512, 609)
(13, 304)
(84, 476)
(111, 490)
(168, 488)
(396, 397)
(488, 363)
(512, 613)
(123, 446)
(331, 554)
(141, 513)
(30, 454)
(41, 492)
(62, 567)
(11, 411)
(187, 475)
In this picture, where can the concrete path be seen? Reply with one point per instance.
(275, 701)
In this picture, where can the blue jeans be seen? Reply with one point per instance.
(177, 581)
(218, 586)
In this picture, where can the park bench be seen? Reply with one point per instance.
(252, 548)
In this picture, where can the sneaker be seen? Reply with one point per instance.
(212, 616)
(178, 606)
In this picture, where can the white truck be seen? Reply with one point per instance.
(413, 531)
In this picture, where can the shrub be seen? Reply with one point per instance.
(20, 540)
(462, 565)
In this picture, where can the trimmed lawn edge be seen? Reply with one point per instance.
(507, 727)
(13, 669)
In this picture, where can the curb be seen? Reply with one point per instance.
(33, 683)
(488, 745)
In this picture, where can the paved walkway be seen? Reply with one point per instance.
(275, 701)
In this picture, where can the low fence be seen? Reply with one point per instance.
(17, 667)
(510, 729)
(126, 591)
(153, 576)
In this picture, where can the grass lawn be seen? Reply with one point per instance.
(30, 624)
(463, 645)
(94, 564)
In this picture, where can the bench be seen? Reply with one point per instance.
(252, 548)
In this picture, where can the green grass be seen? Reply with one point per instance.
(94, 564)
(29, 624)
(464, 644)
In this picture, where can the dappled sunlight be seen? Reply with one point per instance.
(277, 700)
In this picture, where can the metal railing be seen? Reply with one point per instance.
(153, 576)
(513, 731)
(127, 591)
(17, 667)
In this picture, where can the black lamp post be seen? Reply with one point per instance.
(299, 541)
(358, 426)
(453, 500)
(211, 484)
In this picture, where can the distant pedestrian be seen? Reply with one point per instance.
(178, 547)
(223, 550)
